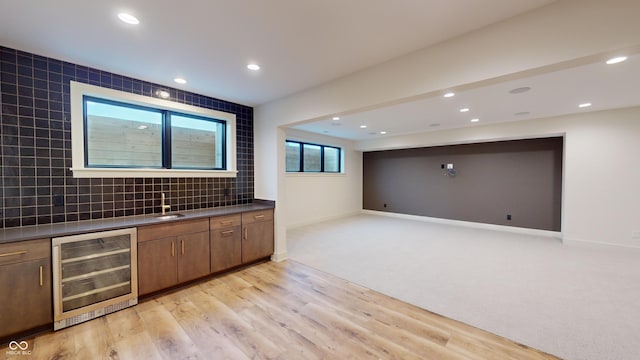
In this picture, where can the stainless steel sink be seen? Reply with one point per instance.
(168, 216)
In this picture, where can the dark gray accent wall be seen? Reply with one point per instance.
(36, 185)
(521, 178)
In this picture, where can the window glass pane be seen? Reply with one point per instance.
(120, 135)
(331, 159)
(311, 160)
(196, 143)
(293, 156)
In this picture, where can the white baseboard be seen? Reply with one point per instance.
(576, 241)
(322, 219)
(512, 229)
(278, 257)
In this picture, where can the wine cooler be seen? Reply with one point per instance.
(93, 275)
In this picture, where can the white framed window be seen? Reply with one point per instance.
(312, 158)
(119, 134)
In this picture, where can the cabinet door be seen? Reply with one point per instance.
(226, 248)
(157, 265)
(257, 240)
(25, 296)
(193, 259)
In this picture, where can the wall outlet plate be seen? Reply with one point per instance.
(449, 166)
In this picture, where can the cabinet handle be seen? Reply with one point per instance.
(245, 233)
(41, 279)
(173, 249)
(258, 217)
(21, 252)
(182, 246)
(227, 233)
(226, 223)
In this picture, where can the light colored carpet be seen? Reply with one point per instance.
(576, 302)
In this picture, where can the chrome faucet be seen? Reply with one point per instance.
(163, 206)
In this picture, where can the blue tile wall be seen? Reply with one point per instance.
(35, 150)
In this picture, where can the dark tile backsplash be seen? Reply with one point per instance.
(35, 150)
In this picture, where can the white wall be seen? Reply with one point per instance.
(564, 31)
(601, 201)
(312, 198)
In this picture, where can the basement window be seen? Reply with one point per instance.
(118, 134)
(312, 158)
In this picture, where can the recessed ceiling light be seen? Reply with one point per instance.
(520, 90)
(180, 80)
(383, 132)
(464, 109)
(128, 18)
(449, 94)
(336, 118)
(584, 105)
(142, 127)
(254, 67)
(475, 120)
(363, 126)
(616, 60)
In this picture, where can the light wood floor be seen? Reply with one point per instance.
(274, 311)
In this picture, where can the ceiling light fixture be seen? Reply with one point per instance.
(336, 118)
(180, 80)
(584, 105)
(475, 120)
(128, 18)
(383, 132)
(163, 94)
(616, 60)
(363, 126)
(464, 110)
(449, 94)
(254, 67)
(142, 127)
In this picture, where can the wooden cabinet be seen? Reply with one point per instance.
(172, 253)
(25, 283)
(226, 242)
(257, 235)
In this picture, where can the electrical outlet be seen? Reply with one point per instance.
(635, 234)
(509, 217)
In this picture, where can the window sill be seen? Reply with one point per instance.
(150, 173)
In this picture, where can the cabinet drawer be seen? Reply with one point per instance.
(150, 232)
(221, 222)
(17, 252)
(257, 216)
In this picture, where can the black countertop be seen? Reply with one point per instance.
(87, 226)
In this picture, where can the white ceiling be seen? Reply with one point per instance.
(299, 43)
(552, 93)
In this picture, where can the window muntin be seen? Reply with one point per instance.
(308, 157)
